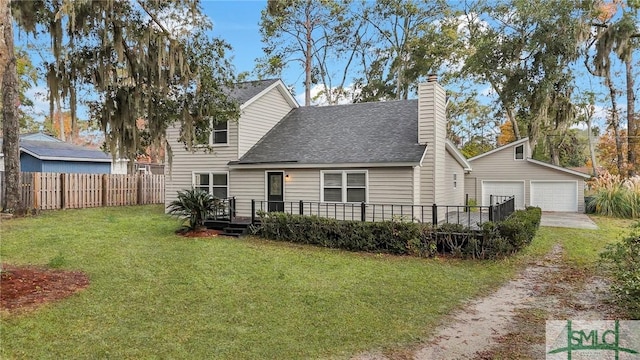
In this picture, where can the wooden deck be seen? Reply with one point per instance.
(472, 220)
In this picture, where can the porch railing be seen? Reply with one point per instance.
(226, 209)
(466, 215)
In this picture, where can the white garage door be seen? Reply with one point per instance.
(503, 188)
(555, 195)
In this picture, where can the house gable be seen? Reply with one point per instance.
(500, 171)
(524, 142)
(261, 113)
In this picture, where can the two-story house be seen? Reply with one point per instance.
(392, 152)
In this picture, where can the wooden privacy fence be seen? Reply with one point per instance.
(47, 191)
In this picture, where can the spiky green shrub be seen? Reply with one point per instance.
(615, 196)
(194, 206)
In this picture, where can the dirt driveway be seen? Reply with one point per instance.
(489, 327)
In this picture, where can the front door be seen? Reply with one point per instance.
(275, 191)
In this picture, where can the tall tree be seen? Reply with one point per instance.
(586, 112)
(616, 32)
(143, 59)
(411, 39)
(10, 100)
(608, 151)
(524, 50)
(307, 32)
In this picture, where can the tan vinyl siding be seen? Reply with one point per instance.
(184, 162)
(416, 185)
(501, 166)
(451, 195)
(432, 125)
(470, 187)
(391, 185)
(246, 185)
(386, 185)
(259, 117)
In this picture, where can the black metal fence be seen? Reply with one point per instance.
(469, 216)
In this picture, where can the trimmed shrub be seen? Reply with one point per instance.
(624, 260)
(405, 238)
(391, 237)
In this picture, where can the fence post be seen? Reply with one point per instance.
(301, 208)
(63, 184)
(490, 200)
(363, 211)
(434, 214)
(105, 189)
(466, 203)
(37, 179)
(233, 207)
(139, 199)
(490, 212)
(253, 211)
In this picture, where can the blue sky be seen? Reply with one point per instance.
(237, 23)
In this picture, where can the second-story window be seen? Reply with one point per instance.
(519, 152)
(220, 134)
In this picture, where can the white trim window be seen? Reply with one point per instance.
(218, 136)
(349, 186)
(518, 152)
(215, 183)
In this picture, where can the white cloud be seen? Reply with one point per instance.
(39, 95)
(318, 97)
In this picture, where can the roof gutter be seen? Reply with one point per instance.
(294, 165)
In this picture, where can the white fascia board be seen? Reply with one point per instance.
(283, 90)
(559, 168)
(458, 156)
(286, 165)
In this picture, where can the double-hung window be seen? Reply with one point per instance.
(214, 183)
(344, 186)
(519, 152)
(218, 135)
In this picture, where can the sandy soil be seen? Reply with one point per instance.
(484, 327)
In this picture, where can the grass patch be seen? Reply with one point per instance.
(582, 248)
(154, 294)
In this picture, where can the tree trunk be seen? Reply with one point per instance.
(10, 124)
(592, 150)
(308, 56)
(633, 133)
(615, 124)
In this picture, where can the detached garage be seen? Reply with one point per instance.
(503, 188)
(555, 195)
(509, 170)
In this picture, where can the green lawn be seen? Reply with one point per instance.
(154, 294)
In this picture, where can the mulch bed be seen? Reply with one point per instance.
(27, 287)
(199, 233)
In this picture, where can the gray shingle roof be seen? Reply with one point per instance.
(51, 149)
(244, 91)
(380, 132)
